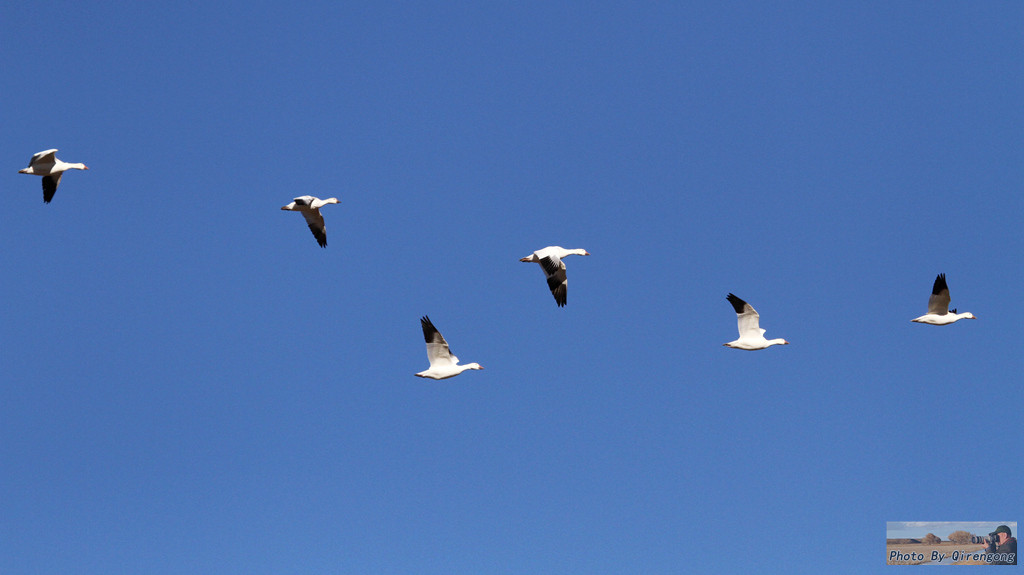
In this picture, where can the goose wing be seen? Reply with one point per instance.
(437, 348)
(44, 157)
(747, 318)
(316, 225)
(558, 283)
(50, 184)
(938, 303)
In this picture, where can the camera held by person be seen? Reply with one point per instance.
(1002, 545)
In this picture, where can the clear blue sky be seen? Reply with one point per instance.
(191, 385)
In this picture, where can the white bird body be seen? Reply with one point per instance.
(310, 206)
(938, 306)
(947, 319)
(47, 165)
(751, 334)
(443, 363)
(550, 260)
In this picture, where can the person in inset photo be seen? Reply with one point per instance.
(1004, 544)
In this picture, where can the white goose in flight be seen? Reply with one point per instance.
(443, 363)
(550, 260)
(751, 334)
(938, 306)
(310, 208)
(47, 165)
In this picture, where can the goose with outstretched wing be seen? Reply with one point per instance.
(938, 306)
(749, 323)
(47, 165)
(443, 363)
(550, 260)
(310, 206)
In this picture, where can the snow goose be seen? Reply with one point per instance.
(310, 208)
(550, 260)
(47, 165)
(751, 334)
(938, 306)
(443, 363)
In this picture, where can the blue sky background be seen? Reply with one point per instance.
(191, 385)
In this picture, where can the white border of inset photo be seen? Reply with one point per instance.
(945, 543)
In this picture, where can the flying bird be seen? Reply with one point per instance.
(310, 208)
(751, 334)
(443, 363)
(47, 165)
(550, 260)
(938, 306)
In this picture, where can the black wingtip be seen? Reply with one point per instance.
(49, 188)
(428, 329)
(940, 284)
(430, 333)
(561, 295)
(737, 303)
(320, 235)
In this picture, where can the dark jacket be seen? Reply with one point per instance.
(1009, 547)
